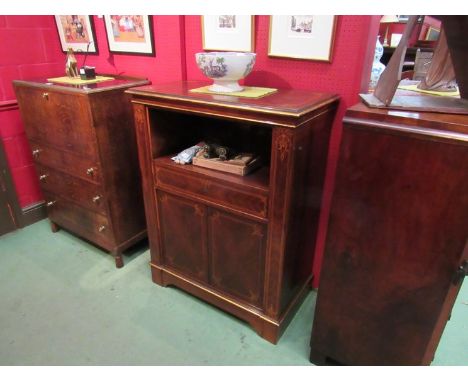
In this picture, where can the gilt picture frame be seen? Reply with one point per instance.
(432, 34)
(305, 37)
(130, 34)
(76, 32)
(233, 33)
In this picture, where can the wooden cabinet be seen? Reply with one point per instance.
(83, 143)
(396, 248)
(242, 243)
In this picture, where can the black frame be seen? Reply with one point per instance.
(150, 27)
(93, 37)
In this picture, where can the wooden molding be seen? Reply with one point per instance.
(11, 104)
(32, 214)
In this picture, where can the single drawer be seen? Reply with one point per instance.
(84, 193)
(60, 119)
(84, 168)
(80, 221)
(211, 190)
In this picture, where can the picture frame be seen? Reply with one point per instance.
(130, 34)
(234, 33)
(76, 32)
(305, 37)
(432, 34)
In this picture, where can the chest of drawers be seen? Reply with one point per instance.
(83, 144)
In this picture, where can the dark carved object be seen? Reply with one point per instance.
(391, 76)
(386, 94)
(83, 143)
(212, 150)
(441, 75)
(396, 246)
(242, 243)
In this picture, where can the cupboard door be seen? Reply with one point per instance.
(237, 256)
(183, 233)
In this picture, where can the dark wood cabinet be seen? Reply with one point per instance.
(83, 143)
(242, 243)
(397, 238)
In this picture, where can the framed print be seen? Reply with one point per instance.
(303, 37)
(130, 34)
(76, 32)
(432, 34)
(228, 32)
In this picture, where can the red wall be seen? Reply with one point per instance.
(26, 51)
(168, 64)
(178, 38)
(30, 48)
(347, 74)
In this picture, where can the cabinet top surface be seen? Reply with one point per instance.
(284, 101)
(117, 83)
(455, 125)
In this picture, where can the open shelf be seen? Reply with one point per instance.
(172, 132)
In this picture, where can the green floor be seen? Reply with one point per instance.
(64, 303)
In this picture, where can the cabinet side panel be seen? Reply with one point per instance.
(113, 121)
(282, 155)
(308, 168)
(146, 170)
(397, 232)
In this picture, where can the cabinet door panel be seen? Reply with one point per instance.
(183, 233)
(237, 254)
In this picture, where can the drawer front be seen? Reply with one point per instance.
(86, 194)
(84, 168)
(213, 191)
(62, 120)
(80, 221)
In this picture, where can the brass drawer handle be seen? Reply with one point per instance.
(45, 96)
(36, 152)
(97, 198)
(90, 171)
(101, 228)
(43, 176)
(51, 203)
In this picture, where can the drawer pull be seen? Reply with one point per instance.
(90, 171)
(101, 228)
(36, 152)
(97, 198)
(51, 203)
(45, 96)
(43, 176)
